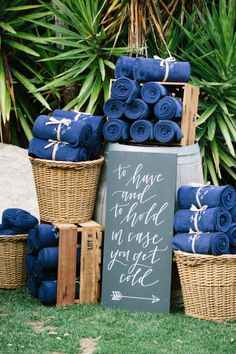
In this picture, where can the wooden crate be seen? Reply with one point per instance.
(188, 94)
(89, 235)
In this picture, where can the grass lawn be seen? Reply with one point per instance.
(26, 326)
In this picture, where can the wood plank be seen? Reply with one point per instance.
(91, 223)
(193, 114)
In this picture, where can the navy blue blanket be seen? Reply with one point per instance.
(212, 196)
(124, 67)
(141, 130)
(207, 243)
(209, 220)
(31, 262)
(52, 150)
(35, 279)
(43, 235)
(7, 232)
(233, 213)
(113, 108)
(137, 109)
(47, 258)
(18, 220)
(151, 92)
(125, 89)
(116, 130)
(48, 292)
(232, 235)
(147, 69)
(166, 131)
(168, 108)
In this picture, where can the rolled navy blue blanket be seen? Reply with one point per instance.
(19, 220)
(7, 232)
(33, 286)
(113, 108)
(148, 69)
(137, 109)
(35, 279)
(116, 130)
(166, 131)
(31, 262)
(233, 213)
(209, 220)
(76, 133)
(151, 92)
(124, 67)
(94, 149)
(168, 108)
(125, 89)
(58, 151)
(48, 292)
(47, 258)
(232, 235)
(43, 235)
(216, 243)
(212, 196)
(141, 130)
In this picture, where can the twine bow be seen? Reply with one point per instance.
(79, 114)
(59, 123)
(55, 145)
(196, 234)
(165, 63)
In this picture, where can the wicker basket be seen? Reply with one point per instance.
(208, 284)
(66, 191)
(13, 250)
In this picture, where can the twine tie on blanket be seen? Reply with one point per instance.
(59, 124)
(165, 63)
(55, 145)
(79, 114)
(196, 233)
(198, 210)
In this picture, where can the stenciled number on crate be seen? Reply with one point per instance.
(90, 242)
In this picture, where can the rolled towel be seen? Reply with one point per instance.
(142, 130)
(48, 258)
(147, 69)
(124, 67)
(19, 220)
(168, 108)
(151, 92)
(216, 243)
(125, 89)
(116, 130)
(76, 133)
(48, 292)
(43, 235)
(113, 108)
(233, 213)
(53, 150)
(137, 109)
(7, 232)
(212, 196)
(232, 235)
(209, 220)
(167, 131)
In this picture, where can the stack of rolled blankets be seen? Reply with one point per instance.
(205, 222)
(42, 263)
(140, 108)
(67, 136)
(16, 221)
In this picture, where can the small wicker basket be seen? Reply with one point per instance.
(66, 191)
(208, 284)
(13, 251)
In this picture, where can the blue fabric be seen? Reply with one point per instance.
(31, 262)
(35, 279)
(209, 243)
(113, 108)
(137, 109)
(233, 213)
(48, 292)
(210, 220)
(116, 130)
(141, 130)
(125, 89)
(166, 131)
(151, 92)
(212, 196)
(43, 235)
(232, 235)
(124, 67)
(76, 133)
(168, 108)
(147, 69)
(7, 232)
(19, 220)
(33, 286)
(38, 148)
(48, 258)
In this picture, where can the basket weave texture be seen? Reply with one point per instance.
(208, 285)
(66, 191)
(13, 251)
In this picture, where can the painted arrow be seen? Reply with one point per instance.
(117, 296)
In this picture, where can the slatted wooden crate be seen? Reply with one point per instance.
(90, 236)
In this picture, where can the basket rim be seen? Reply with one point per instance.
(54, 163)
(204, 256)
(13, 238)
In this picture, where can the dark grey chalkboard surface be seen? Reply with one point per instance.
(139, 230)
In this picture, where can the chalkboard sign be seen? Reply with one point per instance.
(139, 231)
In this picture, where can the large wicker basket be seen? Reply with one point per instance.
(208, 284)
(66, 191)
(13, 251)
